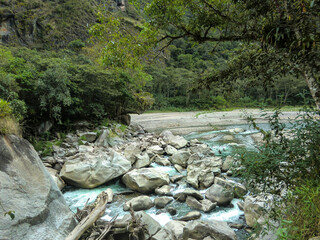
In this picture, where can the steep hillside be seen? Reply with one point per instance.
(47, 24)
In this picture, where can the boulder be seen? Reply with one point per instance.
(27, 189)
(162, 161)
(145, 180)
(164, 190)
(228, 138)
(90, 170)
(170, 150)
(227, 163)
(180, 157)
(254, 211)
(176, 178)
(173, 230)
(238, 189)
(181, 197)
(222, 195)
(202, 205)
(175, 141)
(155, 149)
(102, 139)
(201, 173)
(56, 178)
(131, 151)
(200, 229)
(172, 211)
(138, 203)
(152, 226)
(193, 215)
(161, 202)
(142, 160)
(236, 130)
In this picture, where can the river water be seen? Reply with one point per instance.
(76, 197)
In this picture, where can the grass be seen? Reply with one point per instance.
(9, 126)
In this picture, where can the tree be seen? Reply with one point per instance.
(283, 35)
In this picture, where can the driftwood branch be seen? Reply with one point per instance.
(98, 209)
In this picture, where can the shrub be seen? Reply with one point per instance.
(8, 125)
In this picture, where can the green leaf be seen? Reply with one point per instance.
(11, 214)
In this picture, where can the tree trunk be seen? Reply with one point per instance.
(313, 87)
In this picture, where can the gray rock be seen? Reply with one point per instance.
(27, 188)
(89, 136)
(170, 150)
(200, 229)
(173, 230)
(90, 170)
(238, 189)
(151, 225)
(176, 178)
(188, 192)
(102, 139)
(138, 203)
(220, 194)
(162, 161)
(161, 202)
(228, 138)
(175, 141)
(178, 168)
(156, 149)
(172, 211)
(164, 190)
(56, 178)
(193, 215)
(142, 160)
(227, 163)
(145, 180)
(202, 205)
(180, 157)
(131, 151)
(254, 211)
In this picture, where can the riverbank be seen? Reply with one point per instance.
(183, 123)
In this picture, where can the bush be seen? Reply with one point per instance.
(8, 125)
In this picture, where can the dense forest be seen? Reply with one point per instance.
(52, 70)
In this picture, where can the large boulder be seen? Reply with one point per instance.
(173, 230)
(145, 180)
(202, 205)
(180, 157)
(254, 211)
(151, 226)
(221, 195)
(201, 172)
(175, 141)
(27, 188)
(239, 190)
(138, 203)
(91, 169)
(200, 229)
(131, 151)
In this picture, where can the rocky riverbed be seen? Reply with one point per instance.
(181, 183)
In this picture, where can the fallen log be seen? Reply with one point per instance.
(98, 209)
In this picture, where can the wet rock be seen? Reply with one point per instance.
(175, 141)
(193, 215)
(172, 211)
(145, 180)
(164, 190)
(138, 203)
(181, 197)
(200, 229)
(170, 150)
(180, 157)
(90, 170)
(222, 195)
(228, 138)
(241, 205)
(27, 188)
(161, 202)
(236, 130)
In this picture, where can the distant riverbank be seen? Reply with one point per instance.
(186, 122)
